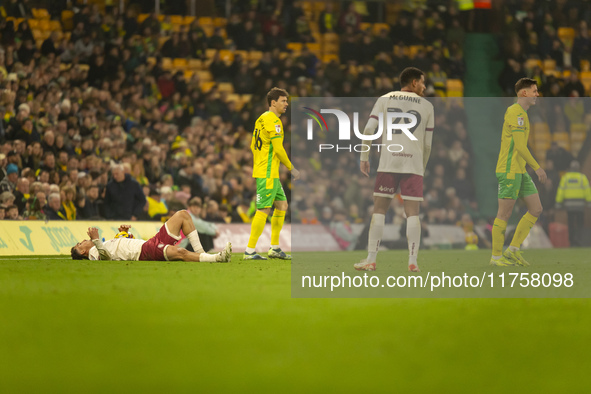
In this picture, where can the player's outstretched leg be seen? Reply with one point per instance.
(175, 253)
(534, 210)
(182, 221)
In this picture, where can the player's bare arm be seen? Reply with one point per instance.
(93, 233)
(541, 175)
(364, 167)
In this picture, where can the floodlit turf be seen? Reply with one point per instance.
(158, 327)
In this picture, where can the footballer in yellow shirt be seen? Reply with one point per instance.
(268, 154)
(514, 181)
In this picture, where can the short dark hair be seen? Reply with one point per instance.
(275, 93)
(76, 255)
(525, 83)
(410, 74)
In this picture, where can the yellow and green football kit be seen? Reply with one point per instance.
(514, 181)
(268, 152)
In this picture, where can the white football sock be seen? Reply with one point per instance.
(413, 235)
(496, 257)
(513, 248)
(195, 242)
(208, 258)
(274, 246)
(376, 231)
(250, 250)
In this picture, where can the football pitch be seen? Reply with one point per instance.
(154, 327)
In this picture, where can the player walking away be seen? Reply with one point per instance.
(400, 169)
(514, 181)
(267, 149)
(160, 247)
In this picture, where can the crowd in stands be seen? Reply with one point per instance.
(124, 116)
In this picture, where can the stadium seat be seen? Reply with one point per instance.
(33, 23)
(378, 27)
(204, 75)
(585, 78)
(365, 27)
(578, 134)
(414, 49)
(585, 65)
(195, 64)
(209, 30)
(233, 97)
(180, 63)
(37, 34)
(328, 57)
(188, 19)
(55, 26)
(220, 22)
(210, 53)
(330, 48)
(40, 13)
(295, 46)
(243, 54)
(330, 38)
(166, 63)
(44, 24)
(67, 19)
(206, 86)
(255, 56)
(151, 60)
(531, 64)
(205, 21)
(562, 139)
(226, 87)
(567, 36)
(188, 74)
(226, 55)
(177, 19)
(142, 17)
(455, 88)
(162, 40)
(549, 66)
(540, 136)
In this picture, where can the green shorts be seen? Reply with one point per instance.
(515, 186)
(268, 191)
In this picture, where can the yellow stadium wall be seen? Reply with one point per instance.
(57, 237)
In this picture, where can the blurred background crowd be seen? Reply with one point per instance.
(114, 110)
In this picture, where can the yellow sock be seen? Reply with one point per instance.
(525, 224)
(498, 236)
(256, 228)
(276, 226)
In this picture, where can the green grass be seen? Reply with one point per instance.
(153, 327)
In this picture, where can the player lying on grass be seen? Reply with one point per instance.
(160, 247)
